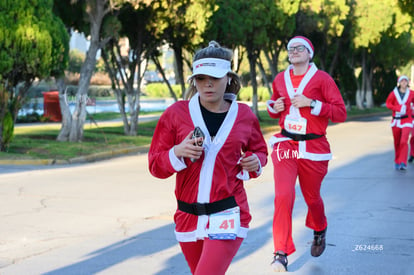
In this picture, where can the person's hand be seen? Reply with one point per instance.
(250, 162)
(279, 105)
(188, 148)
(300, 101)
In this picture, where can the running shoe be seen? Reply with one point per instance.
(397, 166)
(403, 166)
(319, 243)
(280, 262)
(411, 159)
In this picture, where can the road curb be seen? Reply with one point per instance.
(82, 159)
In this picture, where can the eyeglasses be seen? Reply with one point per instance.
(299, 49)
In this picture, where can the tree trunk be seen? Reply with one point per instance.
(360, 95)
(134, 99)
(96, 13)
(79, 114)
(368, 94)
(180, 73)
(266, 81)
(272, 60)
(359, 99)
(252, 63)
(161, 70)
(64, 108)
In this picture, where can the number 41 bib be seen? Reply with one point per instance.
(295, 125)
(224, 225)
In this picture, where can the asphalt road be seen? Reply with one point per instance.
(113, 217)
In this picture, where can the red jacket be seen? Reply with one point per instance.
(317, 85)
(397, 104)
(214, 176)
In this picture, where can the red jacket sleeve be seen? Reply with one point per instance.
(392, 103)
(333, 107)
(162, 141)
(275, 95)
(257, 144)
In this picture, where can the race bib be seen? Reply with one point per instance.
(295, 125)
(224, 225)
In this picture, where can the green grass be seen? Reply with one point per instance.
(114, 115)
(39, 141)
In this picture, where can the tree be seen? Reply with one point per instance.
(283, 24)
(329, 25)
(182, 22)
(138, 28)
(87, 16)
(241, 23)
(33, 44)
(373, 21)
(407, 7)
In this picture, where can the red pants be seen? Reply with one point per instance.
(286, 170)
(412, 142)
(401, 136)
(206, 257)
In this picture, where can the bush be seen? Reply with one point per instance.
(98, 78)
(37, 90)
(76, 59)
(29, 118)
(100, 91)
(71, 78)
(160, 90)
(94, 91)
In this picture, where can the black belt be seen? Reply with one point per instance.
(199, 209)
(399, 117)
(298, 137)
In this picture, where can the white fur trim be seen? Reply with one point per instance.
(317, 109)
(177, 163)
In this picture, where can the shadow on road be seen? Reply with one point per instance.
(366, 203)
(140, 245)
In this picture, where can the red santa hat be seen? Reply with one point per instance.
(401, 78)
(304, 41)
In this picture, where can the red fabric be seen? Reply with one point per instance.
(401, 128)
(401, 136)
(288, 166)
(173, 126)
(296, 79)
(286, 170)
(322, 88)
(206, 257)
(412, 143)
(395, 106)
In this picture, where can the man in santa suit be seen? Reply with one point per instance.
(304, 99)
(213, 215)
(400, 101)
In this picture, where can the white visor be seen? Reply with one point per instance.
(214, 67)
(403, 77)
